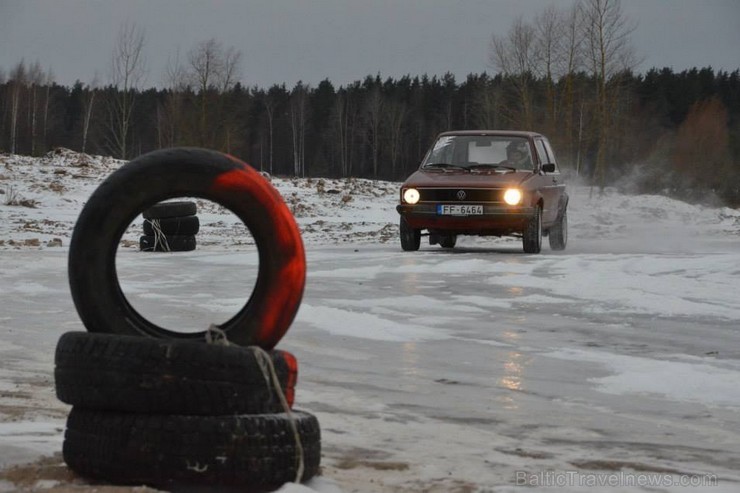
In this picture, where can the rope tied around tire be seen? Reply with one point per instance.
(159, 237)
(215, 336)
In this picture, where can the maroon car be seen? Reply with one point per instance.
(488, 183)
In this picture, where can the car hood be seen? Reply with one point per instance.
(465, 179)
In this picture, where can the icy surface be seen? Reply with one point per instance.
(443, 371)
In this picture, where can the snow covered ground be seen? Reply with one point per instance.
(613, 366)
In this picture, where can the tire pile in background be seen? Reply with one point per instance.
(170, 227)
(208, 411)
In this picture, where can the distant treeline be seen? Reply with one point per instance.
(669, 132)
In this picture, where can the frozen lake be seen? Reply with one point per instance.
(612, 366)
(448, 370)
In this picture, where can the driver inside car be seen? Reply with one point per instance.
(517, 155)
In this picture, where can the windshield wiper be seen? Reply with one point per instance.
(495, 166)
(443, 166)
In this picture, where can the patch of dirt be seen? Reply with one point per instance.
(51, 475)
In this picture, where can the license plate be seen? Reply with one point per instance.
(459, 210)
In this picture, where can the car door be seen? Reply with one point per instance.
(552, 185)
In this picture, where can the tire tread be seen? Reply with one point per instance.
(146, 375)
(237, 450)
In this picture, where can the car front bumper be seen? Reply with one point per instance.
(495, 220)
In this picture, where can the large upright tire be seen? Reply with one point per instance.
(558, 236)
(187, 172)
(532, 237)
(160, 376)
(410, 237)
(241, 451)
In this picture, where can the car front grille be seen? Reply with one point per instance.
(476, 195)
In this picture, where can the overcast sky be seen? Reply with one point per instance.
(284, 41)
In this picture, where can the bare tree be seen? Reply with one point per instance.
(171, 121)
(298, 110)
(449, 86)
(487, 107)
(606, 33)
(128, 69)
(344, 116)
(204, 63)
(273, 100)
(548, 51)
(48, 82)
(88, 103)
(374, 108)
(270, 105)
(394, 118)
(212, 70)
(514, 56)
(231, 68)
(213, 67)
(35, 80)
(18, 80)
(175, 74)
(571, 61)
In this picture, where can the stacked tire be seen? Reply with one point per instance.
(180, 410)
(170, 227)
(170, 413)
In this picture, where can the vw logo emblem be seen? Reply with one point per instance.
(461, 195)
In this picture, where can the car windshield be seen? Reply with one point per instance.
(480, 152)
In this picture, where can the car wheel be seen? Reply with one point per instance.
(167, 376)
(532, 237)
(447, 241)
(252, 451)
(187, 172)
(559, 233)
(410, 237)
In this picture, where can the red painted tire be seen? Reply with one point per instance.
(187, 172)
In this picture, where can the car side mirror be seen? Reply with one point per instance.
(548, 167)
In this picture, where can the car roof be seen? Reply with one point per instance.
(508, 133)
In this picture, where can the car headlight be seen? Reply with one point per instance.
(411, 196)
(512, 196)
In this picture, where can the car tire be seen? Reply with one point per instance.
(410, 237)
(165, 210)
(164, 451)
(159, 376)
(164, 243)
(179, 226)
(447, 241)
(558, 236)
(532, 236)
(187, 172)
